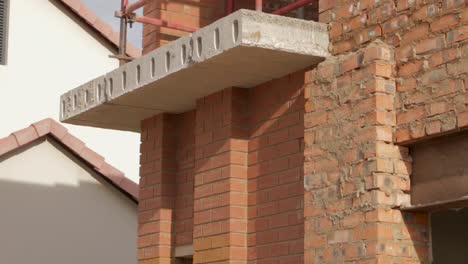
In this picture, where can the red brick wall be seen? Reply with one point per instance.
(430, 44)
(220, 212)
(185, 179)
(356, 178)
(276, 226)
(166, 186)
(194, 13)
(397, 75)
(158, 169)
(235, 165)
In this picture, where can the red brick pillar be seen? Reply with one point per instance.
(189, 13)
(157, 188)
(183, 216)
(220, 197)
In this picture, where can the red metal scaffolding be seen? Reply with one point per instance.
(127, 15)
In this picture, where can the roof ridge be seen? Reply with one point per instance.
(51, 127)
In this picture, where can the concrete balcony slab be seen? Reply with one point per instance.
(244, 49)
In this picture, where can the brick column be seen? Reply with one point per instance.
(220, 197)
(157, 188)
(189, 13)
(356, 178)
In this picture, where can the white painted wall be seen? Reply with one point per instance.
(56, 211)
(49, 53)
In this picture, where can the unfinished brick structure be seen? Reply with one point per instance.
(314, 166)
(227, 175)
(397, 76)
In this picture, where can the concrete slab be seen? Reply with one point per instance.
(184, 251)
(244, 49)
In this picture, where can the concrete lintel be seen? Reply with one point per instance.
(244, 49)
(453, 204)
(183, 251)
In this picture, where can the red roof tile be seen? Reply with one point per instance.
(8, 144)
(99, 25)
(26, 135)
(73, 143)
(58, 132)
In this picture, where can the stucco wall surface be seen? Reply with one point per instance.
(55, 210)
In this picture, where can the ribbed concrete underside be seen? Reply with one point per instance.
(244, 49)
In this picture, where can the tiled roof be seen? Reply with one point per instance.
(99, 25)
(49, 127)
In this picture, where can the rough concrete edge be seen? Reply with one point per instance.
(281, 34)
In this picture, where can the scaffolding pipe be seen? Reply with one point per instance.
(259, 5)
(162, 22)
(123, 33)
(291, 7)
(132, 7)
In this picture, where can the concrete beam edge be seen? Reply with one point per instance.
(242, 28)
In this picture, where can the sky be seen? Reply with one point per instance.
(105, 10)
